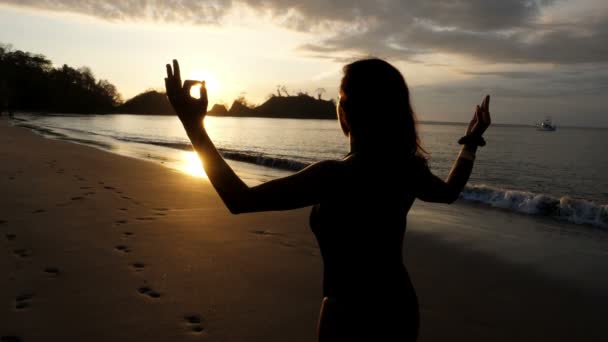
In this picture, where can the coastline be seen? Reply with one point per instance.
(95, 217)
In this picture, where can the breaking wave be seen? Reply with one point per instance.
(565, 208)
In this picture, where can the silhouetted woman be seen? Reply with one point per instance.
(360, 202)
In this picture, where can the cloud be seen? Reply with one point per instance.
(519, 37)
(202, 12)
(495, 31)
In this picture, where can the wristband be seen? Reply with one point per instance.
(470, 139)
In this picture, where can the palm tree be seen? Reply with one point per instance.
(320, 92)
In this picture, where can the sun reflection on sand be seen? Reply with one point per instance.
(191, 164)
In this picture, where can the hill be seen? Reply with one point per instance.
(294, 107)
(297, 107)
(151, 102)
(218, 110)
(29, 82)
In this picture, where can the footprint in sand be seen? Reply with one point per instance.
(194, 321)
(144, 290)
(77, 198)
(125, 197)
(282, 242)
(38, 211)
(119, 222)
(89, 193)
(2, 221)
(145, 218)
(123, 248)
(10, 236)
(127, 234)
(122, 209)
(9, 338)
(23, 301)
(22, 253)
(85, 187)
(138, 266)
(52, 271)
(263, 232)
(109, 187)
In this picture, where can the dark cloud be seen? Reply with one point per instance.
(201, 11)
(529, 43)
(497, 31)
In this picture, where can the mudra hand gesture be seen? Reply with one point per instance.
(190, 111)
(481, 119)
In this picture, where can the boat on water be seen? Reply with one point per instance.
(545, 125)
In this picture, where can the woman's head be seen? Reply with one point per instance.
(375, 109)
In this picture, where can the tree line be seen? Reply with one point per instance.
(29, 82)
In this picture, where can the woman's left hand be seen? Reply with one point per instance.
(190, 111)
(481, 119)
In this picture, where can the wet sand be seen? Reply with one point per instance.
(100, 247)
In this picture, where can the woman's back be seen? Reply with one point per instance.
(361, 223)
(360, 203)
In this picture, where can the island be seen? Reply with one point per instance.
(300, 106)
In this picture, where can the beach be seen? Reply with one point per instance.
(101, 247)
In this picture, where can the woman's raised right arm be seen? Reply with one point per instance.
(304, 188)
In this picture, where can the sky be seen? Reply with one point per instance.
(536, 58)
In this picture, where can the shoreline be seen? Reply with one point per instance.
(256, 167)
(102, 247)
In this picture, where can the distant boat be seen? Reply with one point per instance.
(545, 125)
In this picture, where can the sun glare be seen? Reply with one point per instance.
(192, 165)
(210, 82)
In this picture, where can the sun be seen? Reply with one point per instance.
(210, 82)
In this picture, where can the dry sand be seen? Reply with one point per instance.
(99, 247)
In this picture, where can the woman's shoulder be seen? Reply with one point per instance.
(328, 168)
(354, 163)
(383, 159)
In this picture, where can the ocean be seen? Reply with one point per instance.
(537, 199)
(559, 175)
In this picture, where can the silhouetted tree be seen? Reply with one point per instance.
(29, 82)
(320, 92)
(242, 100)
(284, 90)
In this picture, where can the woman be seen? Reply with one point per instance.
(360, 203)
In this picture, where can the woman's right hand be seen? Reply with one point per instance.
(190, 111)
(481, 119)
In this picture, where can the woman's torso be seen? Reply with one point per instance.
(360, 226)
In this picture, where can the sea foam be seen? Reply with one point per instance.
(577, 211)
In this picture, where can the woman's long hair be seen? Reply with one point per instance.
(375, 109)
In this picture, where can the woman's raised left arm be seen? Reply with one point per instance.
(436, 190)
